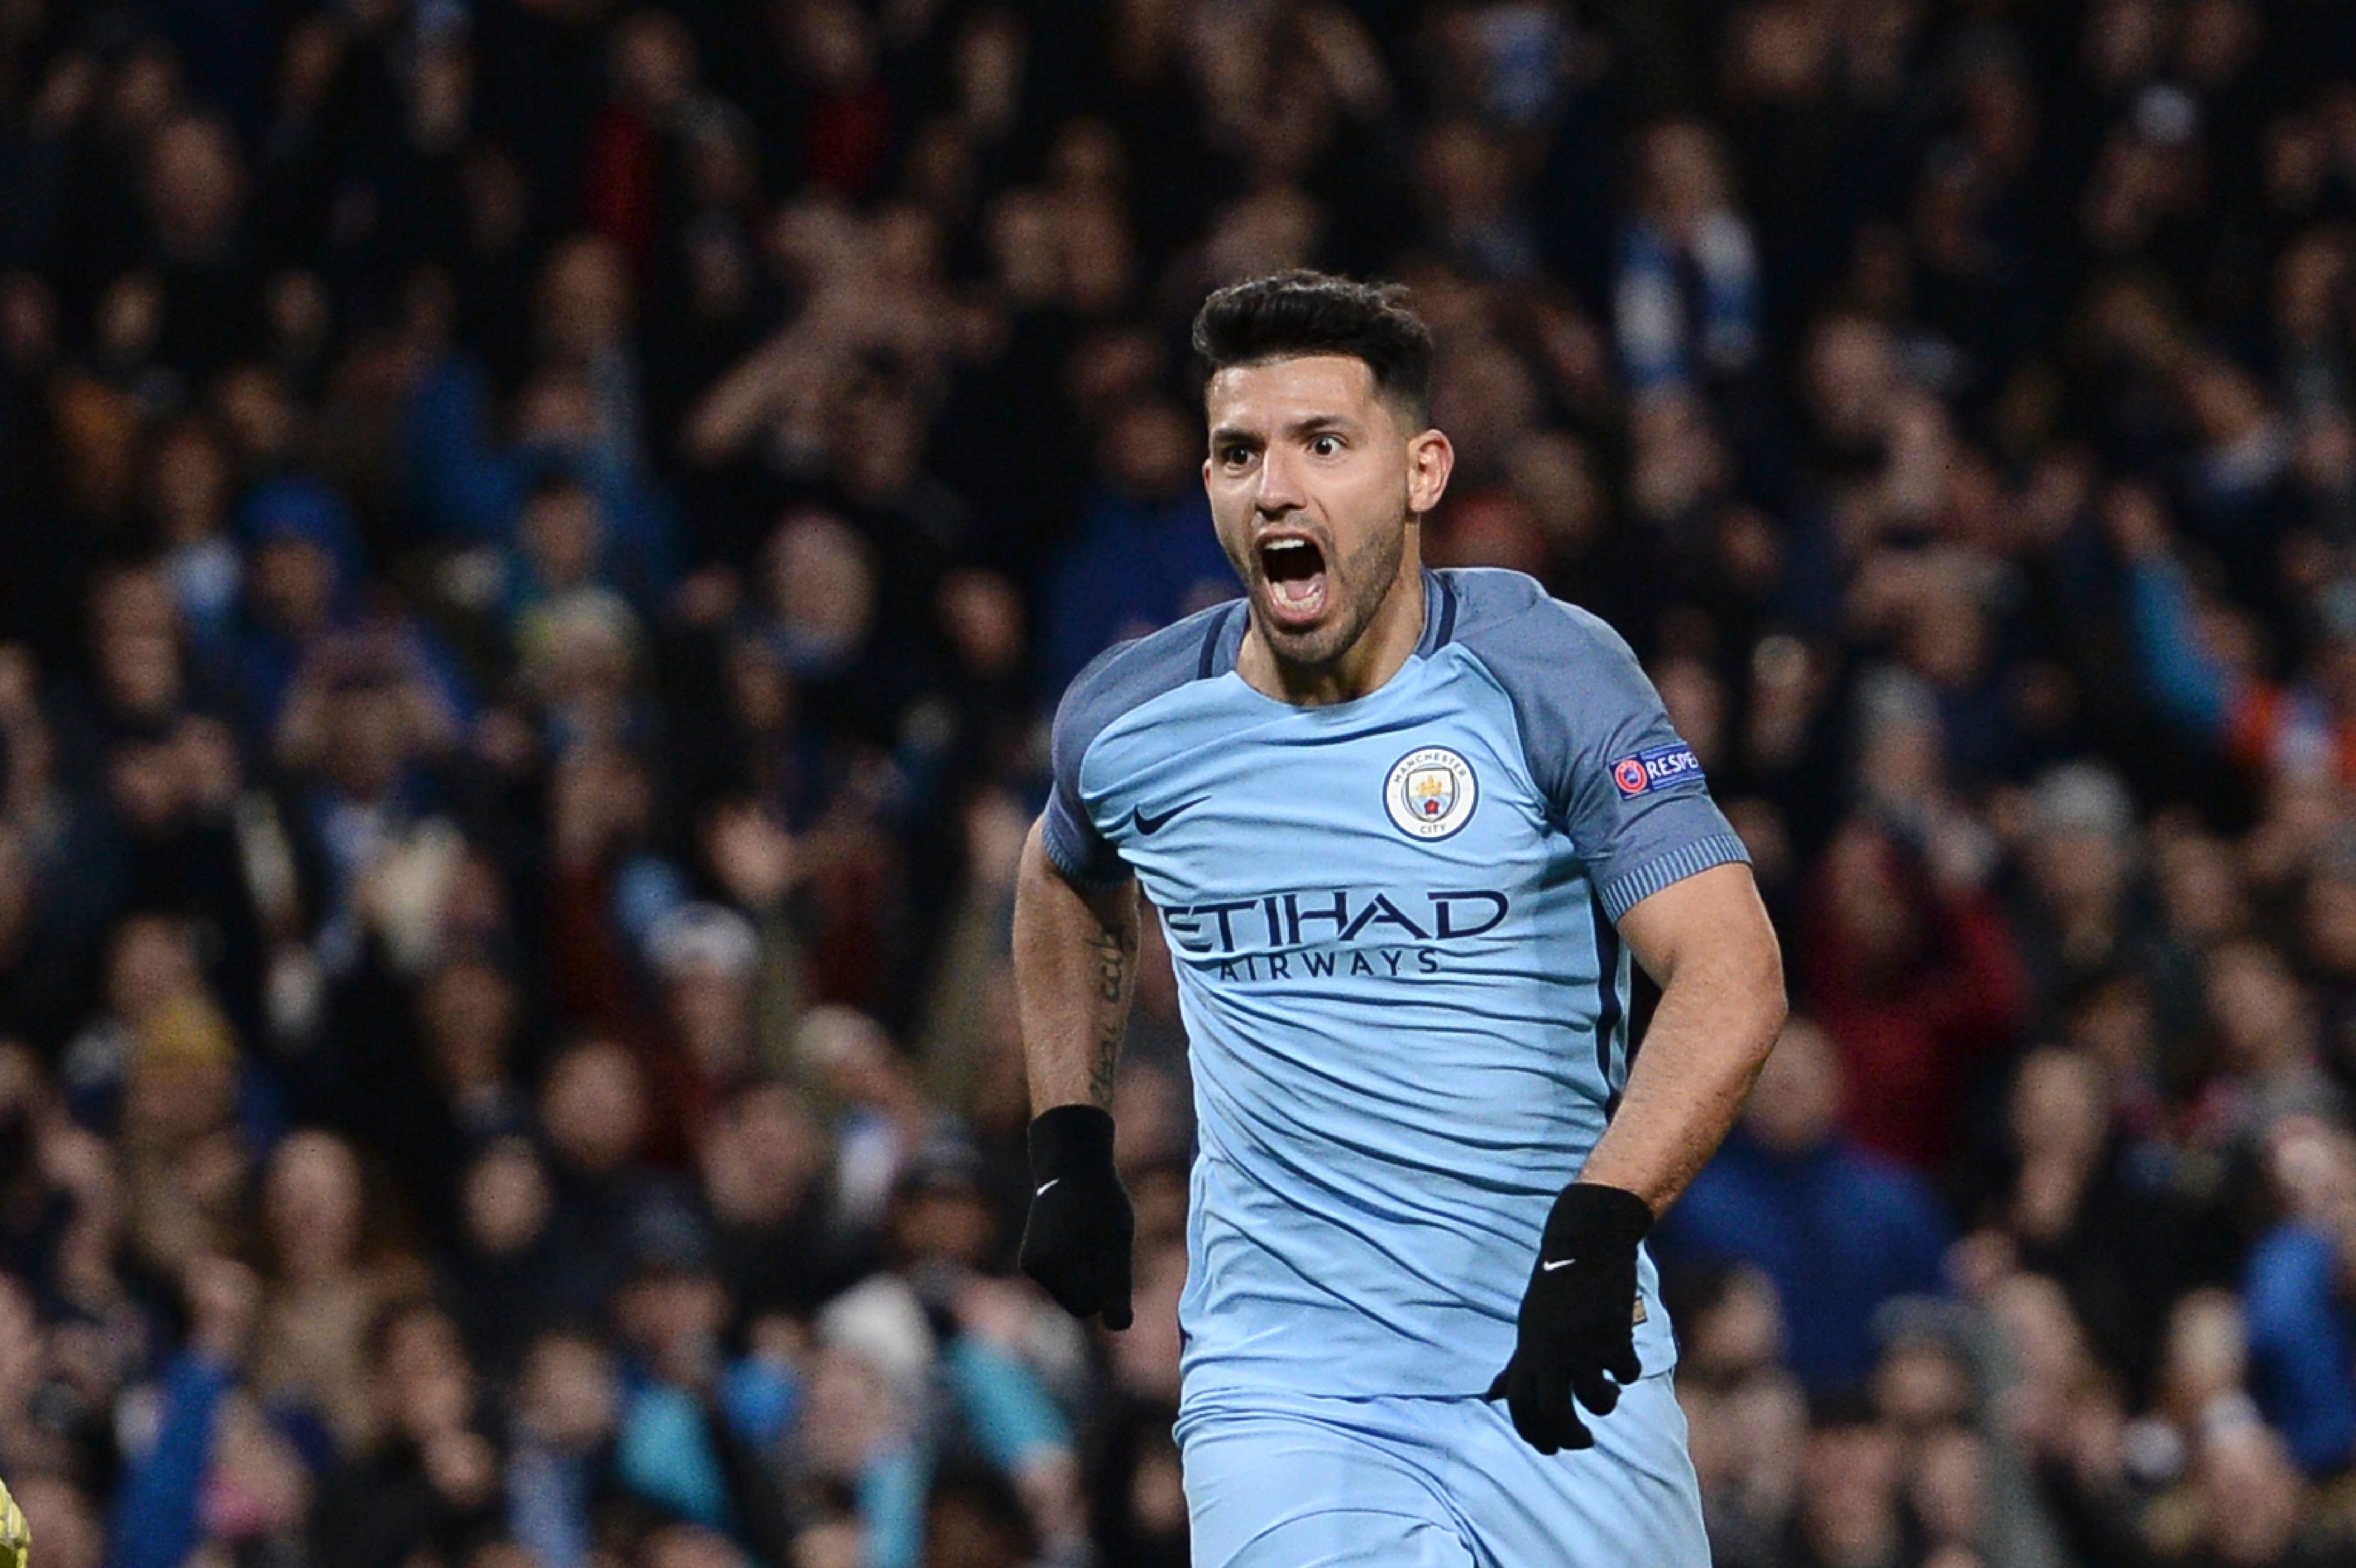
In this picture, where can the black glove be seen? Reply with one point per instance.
(1077, 1240)
(1577, 1319)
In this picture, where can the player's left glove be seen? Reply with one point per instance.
(1579, 1318)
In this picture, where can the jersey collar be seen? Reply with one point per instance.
(1223, 638)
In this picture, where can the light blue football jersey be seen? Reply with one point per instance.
(1405, 994)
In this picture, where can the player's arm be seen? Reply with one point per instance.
(1075, 967)
(1707, 941)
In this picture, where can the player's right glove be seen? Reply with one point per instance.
(1078, 1238)
(1579, 1318)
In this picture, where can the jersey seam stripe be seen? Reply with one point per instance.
(1210, 653)
(1447, 611)
(1607, 1003)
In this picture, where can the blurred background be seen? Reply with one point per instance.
(538, 537)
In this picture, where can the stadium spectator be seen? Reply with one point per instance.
(1836, 1228)
(2301, 1338)
(1915, 981)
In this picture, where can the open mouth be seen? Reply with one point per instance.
(1295, 571)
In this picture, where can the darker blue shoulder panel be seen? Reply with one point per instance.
(1121, 679)
(1529, 642)
(1613, 772)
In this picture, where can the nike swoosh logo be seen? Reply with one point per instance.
(1558, 1262)
(1156, 824)
(1042, 1190)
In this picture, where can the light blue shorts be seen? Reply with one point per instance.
(1438, 1483)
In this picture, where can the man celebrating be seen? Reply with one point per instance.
(1404, 829)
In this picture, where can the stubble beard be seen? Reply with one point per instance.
(1359, 586)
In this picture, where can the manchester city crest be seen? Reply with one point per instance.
(1431, 792)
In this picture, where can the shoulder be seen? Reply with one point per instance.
(1572, 680)
(1126, 676)
(1520, 629)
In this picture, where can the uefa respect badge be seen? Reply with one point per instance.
(1657, 769)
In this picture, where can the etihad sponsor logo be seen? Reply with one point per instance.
(1400, 963)
(1337, 917)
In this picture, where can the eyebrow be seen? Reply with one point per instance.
(1309, 425)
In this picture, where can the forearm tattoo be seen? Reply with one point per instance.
(1115, 945)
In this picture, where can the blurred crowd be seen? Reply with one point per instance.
(537, 539)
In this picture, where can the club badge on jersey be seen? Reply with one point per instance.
(1431, 792)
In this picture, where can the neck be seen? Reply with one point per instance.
(1375, 654)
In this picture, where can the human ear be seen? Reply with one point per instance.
(1429, 460)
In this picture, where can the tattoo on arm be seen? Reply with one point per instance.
(1115, 945)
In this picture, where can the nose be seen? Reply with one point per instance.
(1280, 490)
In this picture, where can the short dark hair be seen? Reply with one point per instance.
(1285, 315)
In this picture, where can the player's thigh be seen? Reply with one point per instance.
(1631, 1498)
(1280, 1492)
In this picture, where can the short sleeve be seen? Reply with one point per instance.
(1617, 777)
(1116, 683)
(1082, 853)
